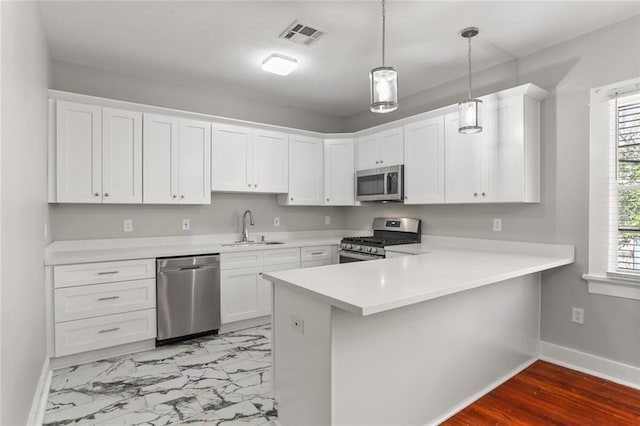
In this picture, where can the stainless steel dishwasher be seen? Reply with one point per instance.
(188, 296)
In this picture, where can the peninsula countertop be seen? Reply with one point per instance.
(441, 266)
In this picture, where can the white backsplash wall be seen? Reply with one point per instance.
(224, 215)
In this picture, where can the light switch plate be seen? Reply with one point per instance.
(127, 225)
(186, 224)
(327, 220)
(497, 225)
(276, 221)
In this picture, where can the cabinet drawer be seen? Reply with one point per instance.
(104, 272)
(316, 253)
(245, 259)
(101, 332)
(276, 257)
(87, 301)
(314, 263)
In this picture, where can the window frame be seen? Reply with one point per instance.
(603, 278)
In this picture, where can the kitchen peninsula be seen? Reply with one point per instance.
(406, 340)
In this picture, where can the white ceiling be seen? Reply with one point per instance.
(222, 44)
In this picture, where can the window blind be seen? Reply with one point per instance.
(624, 199)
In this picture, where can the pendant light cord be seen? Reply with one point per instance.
(469, 38)
(384, 15)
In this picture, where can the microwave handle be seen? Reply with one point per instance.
(387, 182)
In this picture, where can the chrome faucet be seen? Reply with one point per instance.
(245, 231)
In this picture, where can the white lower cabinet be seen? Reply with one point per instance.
(244, 294)
(98, 305)
(101, 332)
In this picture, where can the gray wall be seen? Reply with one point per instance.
(70, 222)
(568, 71)
(25, 67)
(189, 96)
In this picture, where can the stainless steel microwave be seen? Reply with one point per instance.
(381, 184)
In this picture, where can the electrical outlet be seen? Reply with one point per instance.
(128, 225)
(577, 315)
(186, 224)
(276, 221)
(327, 220)
(497, 225)
(297, 324)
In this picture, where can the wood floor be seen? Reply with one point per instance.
(547, 394)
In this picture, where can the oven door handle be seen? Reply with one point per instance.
(359, 256)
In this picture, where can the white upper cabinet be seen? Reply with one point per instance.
(249, 160)
(424, 161)
(305, 172)
(270, 161)
(339, 172)
(501, 163)
(78, 153)
(177, 160)
(98, 154)
(380, 149)
(194, 173)
(121, 156)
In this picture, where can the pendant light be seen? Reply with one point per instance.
(384, 81)
(470, 109)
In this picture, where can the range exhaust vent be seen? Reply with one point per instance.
(301, 34)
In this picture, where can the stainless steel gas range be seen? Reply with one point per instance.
(386, 232)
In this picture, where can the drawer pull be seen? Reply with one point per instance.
(109, 298)
(108, 272)
(316, 253)
(109, 330)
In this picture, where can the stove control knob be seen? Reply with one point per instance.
(349, 246)
(358, 248)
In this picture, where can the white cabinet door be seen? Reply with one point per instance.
(160, 165)
(305, 170)
(367, 152)
(78, 152)
(194, 176)
(270, 162)
(121, 156)
(339, 172)
(390, 148)
(231, 154)
(424, 161)
(463, 163)
(240, 294)
(265, 294)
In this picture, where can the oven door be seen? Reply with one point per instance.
(349, 256)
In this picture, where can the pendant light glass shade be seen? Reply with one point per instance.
(470, 113)
(384, 80)
(384, 89)
(470, 110)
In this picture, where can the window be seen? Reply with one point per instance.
(627, 195)
(614, 190)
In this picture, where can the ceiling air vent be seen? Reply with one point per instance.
(301, 34)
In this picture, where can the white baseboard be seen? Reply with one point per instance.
(624, 374)
(476, 396)
(39, 404)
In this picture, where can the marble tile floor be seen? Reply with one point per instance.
(217, 380)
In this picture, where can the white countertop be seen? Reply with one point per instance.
(450, 265)
(84, 251)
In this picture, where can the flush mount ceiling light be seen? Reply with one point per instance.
(279, 64)
(384, 81)
(470, 109)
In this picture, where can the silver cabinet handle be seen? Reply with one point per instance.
(182, 197)
(381, 161)
(291, 198)
(483, 194)
(327, 199)
(377, 162)
(475, 194)
(109, 330)
(316, 253)
(256, 185)
(108, 272)
(106, 194)
(249, 185)
(96, 194)
(108, 298)
(174, 196)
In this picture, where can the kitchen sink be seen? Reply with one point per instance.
(252, 243)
